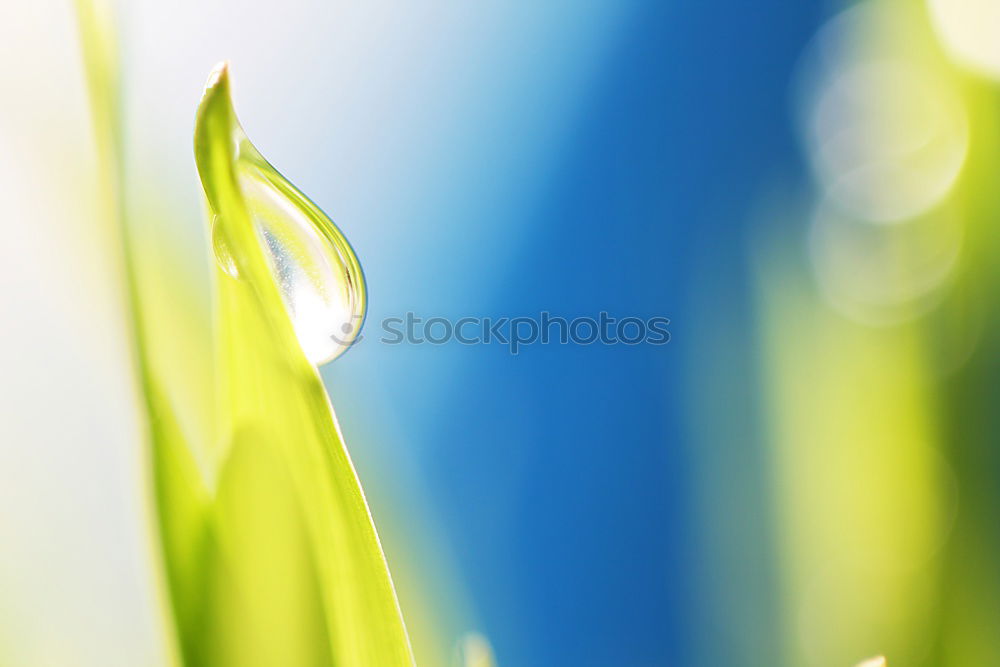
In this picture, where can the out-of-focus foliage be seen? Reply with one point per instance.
(877, 344)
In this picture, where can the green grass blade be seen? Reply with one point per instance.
(270, 555)
(314, 552)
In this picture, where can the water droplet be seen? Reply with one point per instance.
(310, 262)
(315, 269)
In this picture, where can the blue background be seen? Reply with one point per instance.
(562, 477)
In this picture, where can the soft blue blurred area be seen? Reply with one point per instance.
(592, 159)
